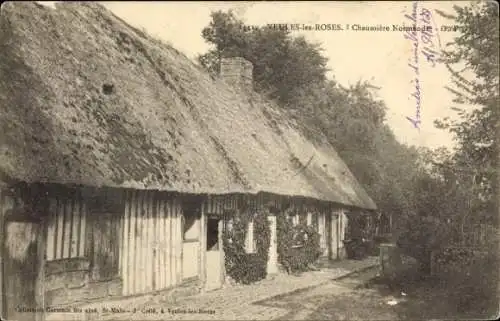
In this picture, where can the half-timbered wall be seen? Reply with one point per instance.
(151, 244)
(18, 257)
(66, 228)
(82, 249)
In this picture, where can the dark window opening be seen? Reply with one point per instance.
(191, 208)
(190, 228)
(212, 234)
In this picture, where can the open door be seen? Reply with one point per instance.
(20, 267)
(214, 257)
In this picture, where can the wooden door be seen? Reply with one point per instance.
(20, 267)
(105, 235)
(214, 254)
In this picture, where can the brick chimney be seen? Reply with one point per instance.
(237, 72)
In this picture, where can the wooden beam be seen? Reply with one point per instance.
(170, 247)
(178, 241)
(40, 280)
(149, 242)
(2, 236)
(203, 247)
(163, 242)
(125, 244)
(133, 245)
(157, 273)
(143, 275)
(221, 251)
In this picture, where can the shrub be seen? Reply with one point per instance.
(422, 236)
(245, 267)
(298, 246)
(472, 275)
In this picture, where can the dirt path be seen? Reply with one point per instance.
(342, 299)
(357, 297)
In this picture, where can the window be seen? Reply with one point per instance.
(309, 218)
(190, 219)
(212, 234)
(191, 228)
(250, 242)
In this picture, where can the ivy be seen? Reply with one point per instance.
(298, 246)
(245, 267)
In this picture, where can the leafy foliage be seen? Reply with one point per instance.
(246, 267)
(423, 191)
(476, 88)
(282, 64)
(298, 246)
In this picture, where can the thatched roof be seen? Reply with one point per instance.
(87, 99)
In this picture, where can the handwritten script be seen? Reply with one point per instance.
(422, 38)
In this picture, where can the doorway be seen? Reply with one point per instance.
(214, 259)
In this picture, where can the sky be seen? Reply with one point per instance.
(381, 57)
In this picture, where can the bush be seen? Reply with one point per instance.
(245, 267)
(422, 236)
(472, 275)
(298, 246)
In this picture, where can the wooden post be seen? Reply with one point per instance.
(340, 237)
(203, 247)
(132, 256)
(222, 256)
(2, 235)
(40, 280)
(170, 238)
(272, 261)
(149, 242)
(144, 245)
(177, 242)
(125, 244)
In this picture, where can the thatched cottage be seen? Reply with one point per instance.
(118, 156)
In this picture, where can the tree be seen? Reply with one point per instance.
(282, 64)
(476, 87)
(352, 119)
(227, 34)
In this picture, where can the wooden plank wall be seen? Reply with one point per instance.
(220, 203)
(66, 227)
(105, 229)
(6, 203)
(151, 244)
(217, 204)
(20, 256)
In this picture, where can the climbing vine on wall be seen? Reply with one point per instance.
(298, 246)
(241, 266)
